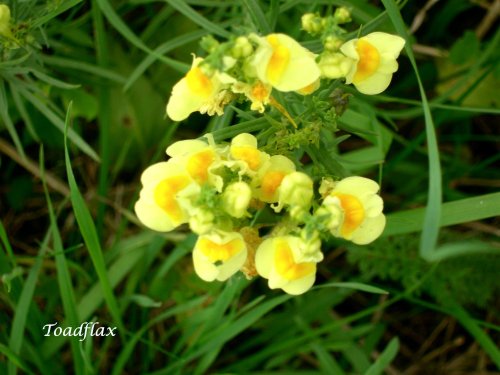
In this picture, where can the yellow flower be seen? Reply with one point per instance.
(258, 93)
(161, 205)
(284, 64)
(198, 90)
(244, 147)
(219, 255)
(375, 61)
(196, 156)
(5, 20)
(276, 259)
(363, 220)
(270, 176)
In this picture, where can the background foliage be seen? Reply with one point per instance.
(72, 250)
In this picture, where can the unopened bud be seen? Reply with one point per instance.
(334, 65)
(296, 189)
(4, 20)
(236, 198)
(201, 222)
(242, 47)
(310, 247)
(332, 43)
(331, 213)
(312, 23)
(342, 15)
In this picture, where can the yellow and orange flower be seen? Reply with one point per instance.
(278, 260)
(375, 61)
(270, 176)
(161, 205)
(219, 255)
(199, 90)
(360, 218)
(283, 63)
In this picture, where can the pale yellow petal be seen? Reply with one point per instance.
(375, 84)
(369, 230)
(300, 286)
(386, 43)
(153, 216)
(182, 101)
(231, 266)
(185, 147)
(264, 258)
(205, 269)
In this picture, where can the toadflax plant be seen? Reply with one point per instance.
(222, 190)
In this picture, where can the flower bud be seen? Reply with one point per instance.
(332, 43)
(342, 15)
(242, 47)
(4, 20)
(296, 190)
(236, 198)
(310, 247)
(201, 221)
(334, 65)
(312, 23)
(332, 212)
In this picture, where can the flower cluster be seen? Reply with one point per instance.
(222, 190)
(252, 66)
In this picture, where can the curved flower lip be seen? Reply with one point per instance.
(244, 148)
(377, 63)
(161, 206)
(197, 91)
(270, 176)
(275, 260)
(284, 64)
(219, 255)
(362, 208)
(196, 156)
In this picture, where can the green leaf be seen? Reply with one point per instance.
(63, 277)
(4, 115)
(197, 18)
(354, 285)
(258, 17)
(385, 358)
(128, 34)
(89, 234)
(14, 358)
(432, 217)
(456, 212)
(59, 123)
(465, 48)
(144, 301)
(481, 337)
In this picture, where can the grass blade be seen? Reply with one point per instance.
(63, 276)
(430, 232)
(4, 115)
(258, 17)
(197, 18)
(128, 34)
(385, 358)
(58, 123)
(456, 212)
(23, 305)
(89, 234)
(481, 337)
